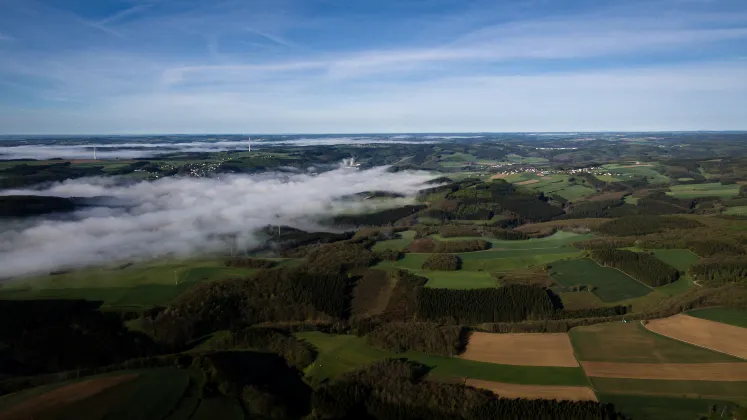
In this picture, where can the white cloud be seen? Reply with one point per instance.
(184, 216)
(703, 96)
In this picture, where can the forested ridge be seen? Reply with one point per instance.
(510, 303)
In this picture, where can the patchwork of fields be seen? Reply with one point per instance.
(479, 269)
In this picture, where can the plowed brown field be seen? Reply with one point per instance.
(528, 181)
(724, 372)
(521, 349)
(545, 392)
(701, 332)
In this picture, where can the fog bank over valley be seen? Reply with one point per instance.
(184, 217)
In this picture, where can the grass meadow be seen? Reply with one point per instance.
(136, 285)
(704, 190)
(730, 316)
(659, 408)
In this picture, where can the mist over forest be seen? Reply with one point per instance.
(186, 216)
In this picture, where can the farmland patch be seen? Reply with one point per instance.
(521, 349)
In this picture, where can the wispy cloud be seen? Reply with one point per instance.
(284, 67)
(274, 38)
(124, 14)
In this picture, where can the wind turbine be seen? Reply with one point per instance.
(94, 152)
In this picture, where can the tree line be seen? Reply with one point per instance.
(444, 262)
(426, 337)
(643, 225)
(718, 271)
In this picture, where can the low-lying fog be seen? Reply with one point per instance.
(185, 216)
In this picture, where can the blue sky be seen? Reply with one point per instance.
(327, 66)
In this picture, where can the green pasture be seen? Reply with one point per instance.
(608, 284)
(632, 343)
(551, 184)
(574, 192)
(461, 279)
(580, 300)
(703, 190)
(643, 407)
(611, 178)
(401, 242)
(680, 259)
(654, 176)
(342, 353)
(338, 354)
(459, 157)
(136, 285)
(683, 284)
(514, 260)
(736, 211)
(731, 316)
(631, 200)
(690, 389)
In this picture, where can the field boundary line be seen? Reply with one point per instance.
(692, 344)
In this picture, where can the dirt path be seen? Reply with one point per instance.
(711, 335)
(521, 349)
(723, 372)
(545, 392)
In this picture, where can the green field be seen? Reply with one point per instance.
(514, 260)
(557, 184)
(136, 285)
(633, 343)
(504, 256)
(339, 354)
(681, 259)
(342, 353)
(730, 316)
(640, 407)
(690, 389)
(574, 192)
(683, 284)
(704, 190)
(461, 279)
(404, 239)
(737, 211)
(628, 171)
(608, 284)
